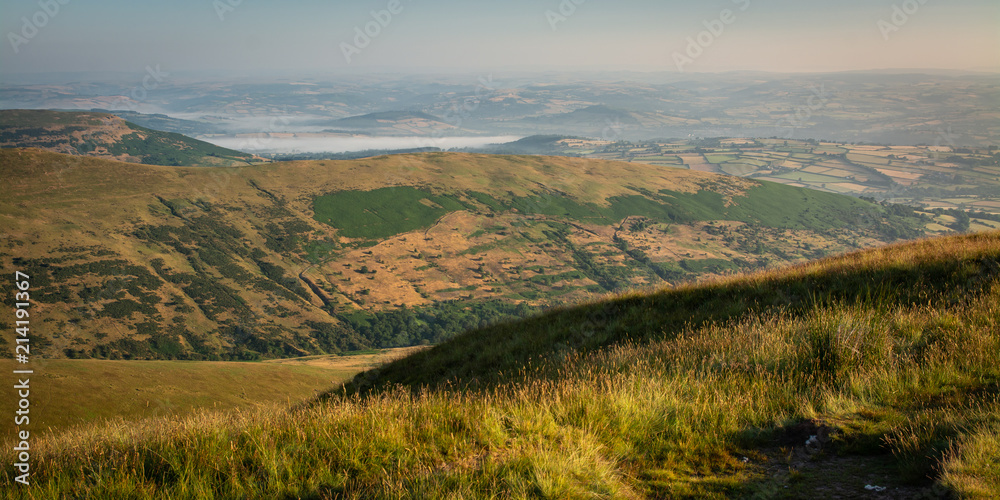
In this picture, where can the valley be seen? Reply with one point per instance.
(500, 250)
(297, 258)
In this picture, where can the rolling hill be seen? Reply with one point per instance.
(900, 109)
(552, 145)
(288, 259)
(867, 375)
(392, 121)
(107, 136)
(591, 118)
(164, 123)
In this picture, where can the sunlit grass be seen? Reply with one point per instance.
(627, 405)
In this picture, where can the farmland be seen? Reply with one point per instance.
(945, 177)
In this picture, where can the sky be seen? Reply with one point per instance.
(339, 36)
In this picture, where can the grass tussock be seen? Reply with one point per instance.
(703, 391)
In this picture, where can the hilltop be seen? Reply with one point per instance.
(288, 259)
(107, 136)
(870, 374)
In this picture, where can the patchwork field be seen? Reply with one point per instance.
(949, 177)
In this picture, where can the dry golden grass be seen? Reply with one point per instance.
(54, 202)
(73, 392)
(690, 392)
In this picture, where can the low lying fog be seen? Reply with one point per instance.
(335, 144)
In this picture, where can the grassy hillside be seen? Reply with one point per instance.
(78, 391)
(107, 136)
(873, 369)
(277, 260)
(88, 391)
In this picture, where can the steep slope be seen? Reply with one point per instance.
(307, 257)
(866, 373)
(869, 375)
(938, 274)
(107, 136)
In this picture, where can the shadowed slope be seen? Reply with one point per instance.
(936, 272)
(882, 361)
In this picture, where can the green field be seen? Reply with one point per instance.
(810, 178)
(390, 211)
(739, 169)
(929, 174)
(716, 158)
(384, 212)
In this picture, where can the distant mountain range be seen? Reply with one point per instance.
(900, 108)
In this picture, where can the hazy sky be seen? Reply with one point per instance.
(649, 35)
